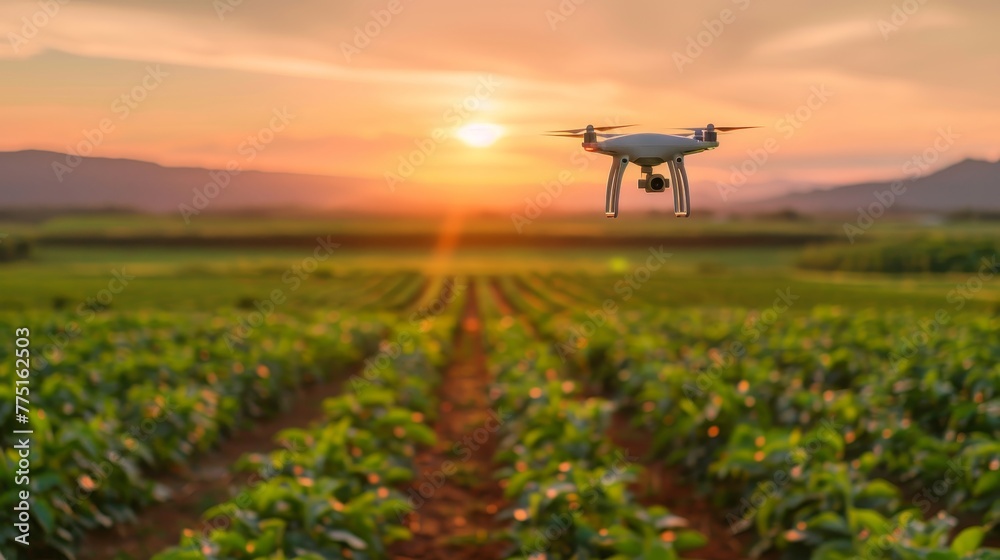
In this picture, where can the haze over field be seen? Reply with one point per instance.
(846, 93)
(28, 181)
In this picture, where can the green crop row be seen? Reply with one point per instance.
(567, 484)
(332, 494)
(913, 255)
(132, 394)
(332, 491)
(832, 435)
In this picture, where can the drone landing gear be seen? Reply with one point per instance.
(615, 186)
(679, 177)
(651, 183)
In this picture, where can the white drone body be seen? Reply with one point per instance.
(649, 150)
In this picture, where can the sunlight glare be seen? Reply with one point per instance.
(479, 135)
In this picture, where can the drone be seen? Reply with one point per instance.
(648, 150)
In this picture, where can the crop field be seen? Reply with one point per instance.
(649, 400)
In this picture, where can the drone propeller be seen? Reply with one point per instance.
(716, 128)
(711, 132)
(598, 134)
(589, 128)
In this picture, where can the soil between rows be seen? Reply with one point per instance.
(454, 495)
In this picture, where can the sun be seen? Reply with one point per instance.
(479, 135)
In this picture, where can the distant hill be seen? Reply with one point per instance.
(30, 179)
(967, 185)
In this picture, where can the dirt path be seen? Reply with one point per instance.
(204, 482)
(455, 494)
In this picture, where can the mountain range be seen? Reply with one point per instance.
(972, 185)
(40, 179)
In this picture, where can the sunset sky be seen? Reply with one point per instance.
(215, 71)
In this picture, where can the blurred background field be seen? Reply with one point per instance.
(219, 260)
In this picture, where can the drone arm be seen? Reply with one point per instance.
(615, 186)
(678, 174)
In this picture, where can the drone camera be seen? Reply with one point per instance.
(656, 183)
